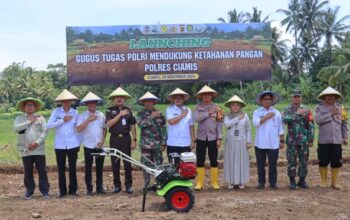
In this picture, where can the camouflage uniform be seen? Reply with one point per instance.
(300, 133)
(152, 136)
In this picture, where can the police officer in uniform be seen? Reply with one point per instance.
(332, 120)
(121, 122)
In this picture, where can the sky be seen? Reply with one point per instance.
(33, 31)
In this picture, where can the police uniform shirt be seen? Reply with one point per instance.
(123, 124)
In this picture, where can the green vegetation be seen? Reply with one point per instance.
(10, 155)
(317, 56)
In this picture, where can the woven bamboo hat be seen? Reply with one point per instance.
(148, 96)
(66, 96)
(119, 92)
(237, 99)
(206, 89)
(178, 92)
(91, 97)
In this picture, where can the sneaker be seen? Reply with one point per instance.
(260, 186)
(241, 186)
(61, 195)
(28, 195)
(273, 186)
(46, 195)
(129, 190)
(101, 191)
(116, 189)
(89, 193)
(230, 186)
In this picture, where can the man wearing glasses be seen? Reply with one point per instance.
(269, 137)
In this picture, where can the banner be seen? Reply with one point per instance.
(170, 52)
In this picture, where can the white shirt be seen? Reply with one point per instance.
(267, 134)
(92, 133)
(179, 134)
(65, 133)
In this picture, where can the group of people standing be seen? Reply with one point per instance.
(175, 132)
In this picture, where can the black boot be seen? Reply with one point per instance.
(302, 183)
(292, 183)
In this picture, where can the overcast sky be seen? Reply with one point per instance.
(34, 30)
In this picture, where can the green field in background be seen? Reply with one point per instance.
(10, 155)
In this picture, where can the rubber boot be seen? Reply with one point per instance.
(214, 173)
(323, 174)
(200, 178)
(334, 175)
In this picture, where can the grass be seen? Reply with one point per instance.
(10, 155)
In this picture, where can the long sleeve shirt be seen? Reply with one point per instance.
(152, 130)
(238, 129)
(30, 132)
(332, 129)
(208, 127)
(267, 134)
(300, 127)
(65, 133)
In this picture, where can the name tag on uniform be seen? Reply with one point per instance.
(123, 121)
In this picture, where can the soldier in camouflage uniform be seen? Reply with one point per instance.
(300, 138)
(153, 133)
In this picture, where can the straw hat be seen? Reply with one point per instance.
(91, 97)
(237, 99)
(65, 96)
(178, 92)
(275, 97)
(206, 89)
(329, 91)
(37, 102)
(148, 96)
(119, 92)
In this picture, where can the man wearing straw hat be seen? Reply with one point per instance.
(121, 122)
(332, 120)
(269, 137)
(300, 138)
(32, 132)
(91, 126)
(181, 136)
(64, 121)
(209, 134)
(153, 133)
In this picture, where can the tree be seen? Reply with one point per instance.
(331, 28)
(338, 73)
(279, 48)
(234, 17)
(292, 21)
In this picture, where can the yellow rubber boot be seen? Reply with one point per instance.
(323, 174)
(214, 173)
(200, 178)
(334, 175)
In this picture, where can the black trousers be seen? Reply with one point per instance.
(201, 151)
(89, 160)
(61, 156)
(123, 144)
(329, 153)
(272, 155)
(175, 149)
(40, 165)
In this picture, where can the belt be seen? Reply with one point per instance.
(120, 135)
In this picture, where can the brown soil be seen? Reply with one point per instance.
(239, 69)
(250, 203)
